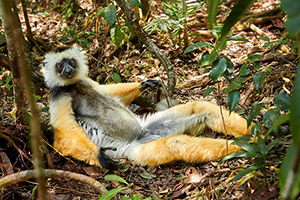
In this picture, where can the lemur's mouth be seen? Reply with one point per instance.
(70, 76)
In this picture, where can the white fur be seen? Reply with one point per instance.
(52, 78)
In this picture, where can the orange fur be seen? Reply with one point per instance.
(69, 137)
(182, 147)
(126, 92)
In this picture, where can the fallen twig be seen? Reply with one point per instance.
(16, 147)
(52, 173)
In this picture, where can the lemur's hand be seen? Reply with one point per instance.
(105, 160)
(150, 84)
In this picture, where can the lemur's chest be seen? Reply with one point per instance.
(104, 113)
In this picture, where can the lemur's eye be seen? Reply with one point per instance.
(73, 62)
(58, 66)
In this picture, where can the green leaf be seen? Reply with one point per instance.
(101, 12)
(260, 147)
(116, 77)
(136, 3)
(244, 71)
(218, 68)
(255, 130)
(285, 169)
(212, 11)
(197, 45)
(238, 155)
(265, 39)
(111, 193)
(235, 84)
(113, 177)
(116, 35)
(237, 38)
(258, 79)
(282, 101)
(243, 173)
(243, 138)
(280, 120)
(229, 69)
(254, 112)
(254, 58)
(270, 117)
(69, 13)
(146, 174)
(295, 109)
(246, 146)
(155, 196)
(136, 197)
(292, 8)
(205, 59)
(233, 99)
(272, 144)
(208, 91)
(8, 85)
(257, 65)
(2, 38)
(216, 31)
(236, 13)
(110, 14)
(45, 109)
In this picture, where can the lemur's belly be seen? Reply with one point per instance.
(100, 138)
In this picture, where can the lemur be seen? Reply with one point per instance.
(89, 118)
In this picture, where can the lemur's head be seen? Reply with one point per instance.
(64, 66)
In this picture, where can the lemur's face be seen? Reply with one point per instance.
(66, 68)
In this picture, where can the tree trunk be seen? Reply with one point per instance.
(185, 35)
(18, 88)
(17, 54)
(151, 46)
(29, 32)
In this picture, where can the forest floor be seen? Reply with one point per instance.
(132, 62)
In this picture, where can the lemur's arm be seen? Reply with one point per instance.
(126, 92)
(70, 139)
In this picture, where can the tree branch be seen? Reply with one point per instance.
(52, 173)
(150, 45)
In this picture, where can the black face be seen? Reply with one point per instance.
(66, 68)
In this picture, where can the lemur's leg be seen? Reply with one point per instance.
(188, 148)
(182, 147)
(233, 124)
(69, 137)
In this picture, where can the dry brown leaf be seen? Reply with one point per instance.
(5, 164)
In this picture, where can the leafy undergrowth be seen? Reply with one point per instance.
(132, 62)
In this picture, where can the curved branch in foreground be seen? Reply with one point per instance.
(52, 173)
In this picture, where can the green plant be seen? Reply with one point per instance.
(113, 192)
(69, 9)
(8, 81)
(176, 20)
(117, 31)
(73, 33)
(256, 149)
(289, 177)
